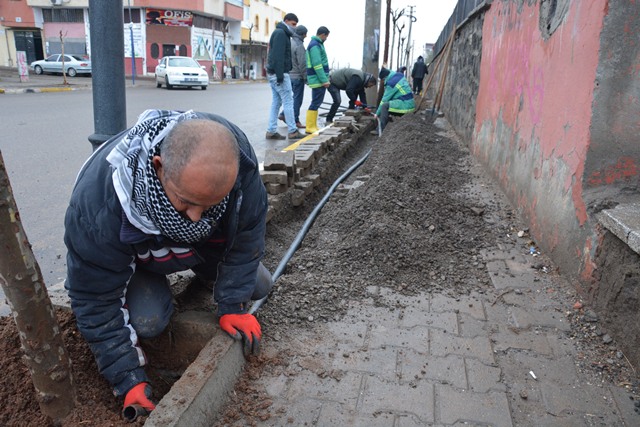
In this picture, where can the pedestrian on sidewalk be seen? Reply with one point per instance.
(317, 76)
(298, 72)
(178, 191)
(420, 69)
(279, 64)
(353, 82)
(397, 98)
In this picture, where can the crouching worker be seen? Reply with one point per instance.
(397, 98)
(178, 191)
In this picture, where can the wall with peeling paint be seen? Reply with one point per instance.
(557, 114)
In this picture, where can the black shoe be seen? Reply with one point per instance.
(296, 135)
(281, 117)
(275, 135)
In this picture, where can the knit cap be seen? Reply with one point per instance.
(301, 30)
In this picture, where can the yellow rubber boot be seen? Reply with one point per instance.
(312, 121)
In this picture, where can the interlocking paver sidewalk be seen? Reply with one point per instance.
(440, 360)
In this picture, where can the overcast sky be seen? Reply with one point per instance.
(345, 20)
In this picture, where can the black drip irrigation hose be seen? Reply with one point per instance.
(305, 229)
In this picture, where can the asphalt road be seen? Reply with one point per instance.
(44, 143)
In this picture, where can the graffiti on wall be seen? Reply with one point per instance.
(219, 49)
(201, 43)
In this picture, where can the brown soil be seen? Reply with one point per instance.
(424, 211)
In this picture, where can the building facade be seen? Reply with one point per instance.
(228, 37)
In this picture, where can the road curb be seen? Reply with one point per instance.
(38, 90)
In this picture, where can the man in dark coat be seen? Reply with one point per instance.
(419, 71)
(178, 191)
(279, 65)
(353, 82)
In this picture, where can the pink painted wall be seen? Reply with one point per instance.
(533, 118)
(71, 29)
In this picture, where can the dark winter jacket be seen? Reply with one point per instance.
(351, 81)
(419, 69)
(279, 56)
(104, 248)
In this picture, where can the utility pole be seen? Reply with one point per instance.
(107, 73)
(371, 47)
(412, 19)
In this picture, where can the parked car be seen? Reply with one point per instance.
(73, 65)
(181, 71)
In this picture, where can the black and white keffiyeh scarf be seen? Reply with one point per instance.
(139, 190)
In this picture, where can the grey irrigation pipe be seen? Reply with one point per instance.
(305, 229)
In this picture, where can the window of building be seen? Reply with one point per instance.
(182, 50)
(155, 50)
(63, 15)
(131, 15)
(266, 27)
(256, 24)
(202, 21)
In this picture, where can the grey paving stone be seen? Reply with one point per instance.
(471, 305)
(414, 366)
(416, 338)
(497, 254)
(377, 315)
(308, 384)
(560, 345)
(277, 386)
(411, 316)
(410, 421)
(589, 400)
(381, 361)
(508, 280)
(519, 266)
(558, 370)
(443, 344)
(379, 396)
(301, 412)
(549, 318)
(453, 405)
(507, 339)
(483, 377)
(496, 266)
(471, 327)
(355, 334)
(375, 420)
(625, 405)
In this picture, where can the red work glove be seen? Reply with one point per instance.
(358, 104)
(138, 402)
(243, 327)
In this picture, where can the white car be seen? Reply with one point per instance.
(181, 71)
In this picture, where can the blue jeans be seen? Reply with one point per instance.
(297, 85)
(150, 301)
(317, 96)
(281, 95)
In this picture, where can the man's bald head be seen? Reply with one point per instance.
(197, 166)
(203, 139)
